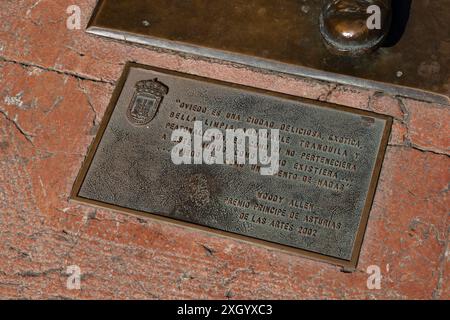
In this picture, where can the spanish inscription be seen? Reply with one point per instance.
(317, 202)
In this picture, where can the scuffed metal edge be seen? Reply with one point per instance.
(272, 65)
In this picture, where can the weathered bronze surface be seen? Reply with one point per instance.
(318, 203)
(284, 36)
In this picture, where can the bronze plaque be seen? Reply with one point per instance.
(317, 203)
(283, 36)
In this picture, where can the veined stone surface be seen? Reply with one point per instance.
(51, 100)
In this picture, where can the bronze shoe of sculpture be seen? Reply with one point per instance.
(347, 25)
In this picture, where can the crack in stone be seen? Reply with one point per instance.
(29, 137)
(380, 94)
(30, 273)
(209, 251)
(89, 101)
(442, 262)
(49, 69)
(405, 111)
(406, 122)
(332, 87)
(78, 235)
(409, 145)
(425, 150)
(80, 54)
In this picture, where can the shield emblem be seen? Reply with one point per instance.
(146, 100)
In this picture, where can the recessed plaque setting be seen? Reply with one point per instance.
(317, 204)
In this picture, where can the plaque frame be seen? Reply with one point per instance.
(349, 265)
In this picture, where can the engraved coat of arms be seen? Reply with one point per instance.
(146, 100)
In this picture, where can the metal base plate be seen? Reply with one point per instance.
(284, 36)
(316, 205)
